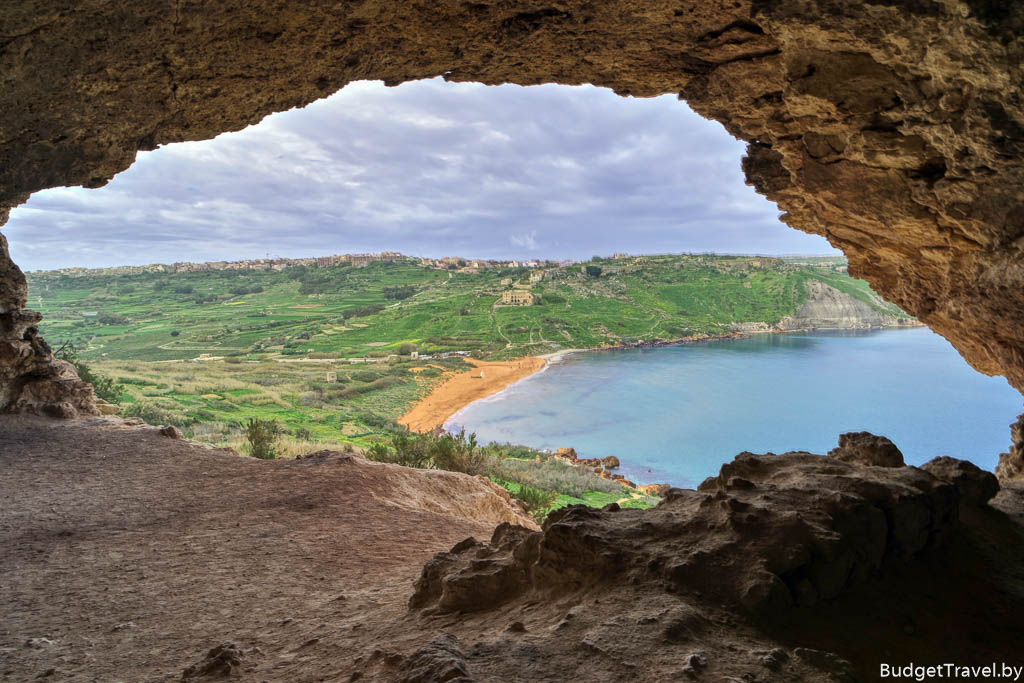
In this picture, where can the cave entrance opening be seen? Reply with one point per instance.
(433, 169)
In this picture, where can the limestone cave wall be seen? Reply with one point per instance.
(895, 128)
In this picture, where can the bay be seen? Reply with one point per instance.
(674, 414)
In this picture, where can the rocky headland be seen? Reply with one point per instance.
(831, 309)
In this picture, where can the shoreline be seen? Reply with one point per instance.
(455, 393)
(451, 397)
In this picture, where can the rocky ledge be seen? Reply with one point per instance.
(766, 572)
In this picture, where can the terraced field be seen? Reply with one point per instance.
(208, 350)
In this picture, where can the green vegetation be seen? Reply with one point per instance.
(538, 502)
(371, 312)
(540, 481)
(323, 357)
(262, 437)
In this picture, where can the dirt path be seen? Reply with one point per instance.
(462, 389)
(127, 554)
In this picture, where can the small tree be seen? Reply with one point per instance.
(262, 438)
(594, 271)
(537, 501)
(406, 349)
(458, 453)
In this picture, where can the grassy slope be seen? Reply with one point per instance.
(259, 320)
(274, 335)
(300, 310)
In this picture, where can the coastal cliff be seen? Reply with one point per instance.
(830, 308)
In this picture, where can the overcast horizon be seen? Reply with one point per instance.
(427, 169)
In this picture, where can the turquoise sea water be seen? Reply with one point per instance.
(675, 414)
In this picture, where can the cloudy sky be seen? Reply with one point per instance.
(427, 168)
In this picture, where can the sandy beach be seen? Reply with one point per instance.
(486, 379)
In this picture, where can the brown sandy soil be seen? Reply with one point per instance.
(128, 555)
(132, 553)
(464, 388)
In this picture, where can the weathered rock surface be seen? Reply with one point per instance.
(975, 485)
(828, 308)
(895, 130)
(1011, 464)
(307, 568)
(440, 660)
(790, 530)
(795, 567)
(31, 379)
(654, 489)
(220, 662)
(865, 448)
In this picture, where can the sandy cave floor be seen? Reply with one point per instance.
(132, 554)
(128, 555)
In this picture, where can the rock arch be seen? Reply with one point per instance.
(893, 128)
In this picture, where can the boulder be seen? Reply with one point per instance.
(172, 432)
(568, 453)
(439, 660)
(610, 462)
(222, 661)
(975, 485)
(654, 489)
(865, 448)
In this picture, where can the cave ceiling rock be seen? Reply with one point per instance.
(894, 129)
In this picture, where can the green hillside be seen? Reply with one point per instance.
(325, 353)
(208, 350)
(349, 312)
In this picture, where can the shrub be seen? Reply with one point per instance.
(406, 349)
(554, 475)
(361, 311)
(459, 453)
(364, 375)
(408, 450)
(175, 333)
(312, 399)
(380, 422)
(399, 292)
(154, 414)
(537, 501)
(111, 319)
(261, 436)
(594, 271)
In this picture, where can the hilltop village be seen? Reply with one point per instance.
(277, 264)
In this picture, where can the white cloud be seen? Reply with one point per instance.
(427, 168)
(526, 240)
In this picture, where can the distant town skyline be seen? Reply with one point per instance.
(280, 262)
(427, 168)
